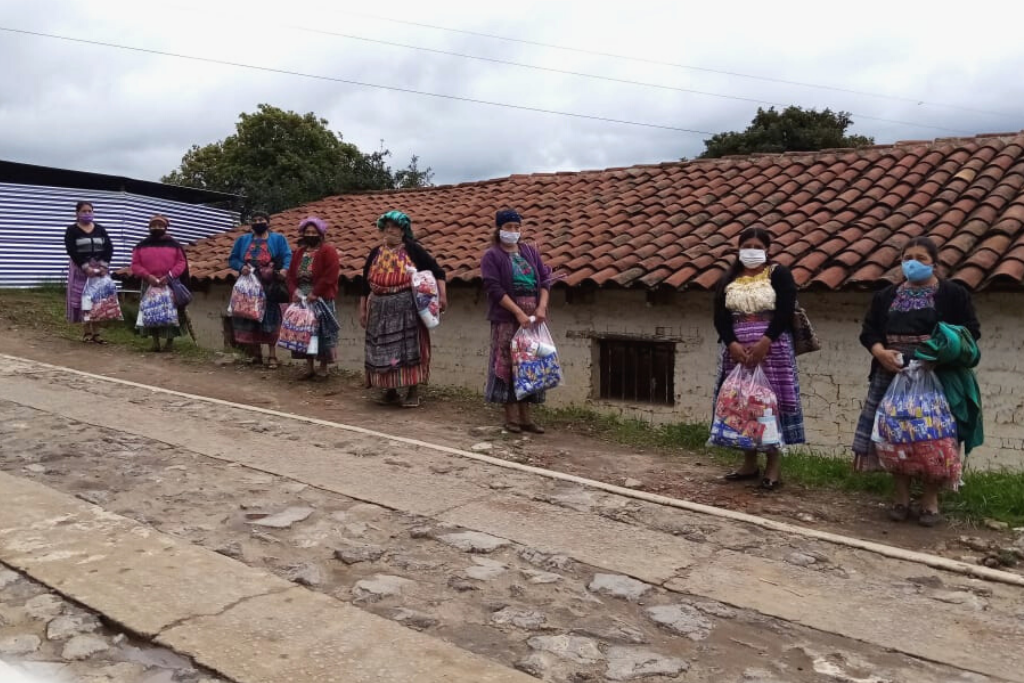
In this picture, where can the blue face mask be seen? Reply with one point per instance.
(915, 271)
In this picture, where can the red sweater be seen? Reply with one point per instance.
(325, 269)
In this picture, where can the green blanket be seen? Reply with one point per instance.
(954, 352)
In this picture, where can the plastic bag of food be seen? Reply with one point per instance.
(915, 432)
(99, 300)
(297, 328)
(427, 297)
(158, 308)
(534, 361)
(746, 412)
(248, 299)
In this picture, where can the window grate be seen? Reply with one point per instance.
(642, 371)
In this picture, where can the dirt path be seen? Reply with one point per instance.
(637, 593)
(450, 418)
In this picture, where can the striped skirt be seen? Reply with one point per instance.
(780, 368)
(500, 387)
(76, 283)
(397, 343)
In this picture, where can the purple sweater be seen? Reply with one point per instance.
(496, 269)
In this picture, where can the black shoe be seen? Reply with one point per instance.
(770, 484)
(741, 476)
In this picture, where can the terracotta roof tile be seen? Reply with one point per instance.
(839, 217)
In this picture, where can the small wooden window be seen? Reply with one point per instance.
(635, 370)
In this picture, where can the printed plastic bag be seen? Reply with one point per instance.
(746, 412)
(915, 431)
(99, 300)
(427, 297)
(248, 299)
(298, 328)
(158, 308)
(534, 361)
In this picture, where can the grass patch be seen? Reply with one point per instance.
(44, 308)
(997, 494)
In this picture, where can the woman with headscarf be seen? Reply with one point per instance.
(314, 275)
(753, 313)
(89, 252)
(518, 285)
(268, 255)
(397, 341)
(155, 260)
(901, 320)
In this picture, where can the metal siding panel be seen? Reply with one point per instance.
(33, 219)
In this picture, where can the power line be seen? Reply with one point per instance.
(363, 84)
(690, 67)
(610, 79)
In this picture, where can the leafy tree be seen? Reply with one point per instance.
(280, 159)
(411, 176)
(794, 129)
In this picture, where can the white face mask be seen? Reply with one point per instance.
(507, 237)
(752, 258)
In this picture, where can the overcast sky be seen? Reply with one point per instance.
(107, 110)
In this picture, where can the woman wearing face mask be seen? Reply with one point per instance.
(313, 274)
(89, 251)
(754, 306)
(518, 285)
(397, 341)
(268, 255)
(155, 260)
(902, 317)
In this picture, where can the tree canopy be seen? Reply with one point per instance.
(793, 129)
(280, 159)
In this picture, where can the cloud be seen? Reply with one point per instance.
(101, 109)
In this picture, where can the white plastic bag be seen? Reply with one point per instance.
(534, 361)
(746, 412)
(427, 296)
(248, 300)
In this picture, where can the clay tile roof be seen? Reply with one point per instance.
(839, 217)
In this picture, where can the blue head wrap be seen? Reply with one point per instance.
(507, 216)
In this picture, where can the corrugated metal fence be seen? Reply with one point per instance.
(33, 219)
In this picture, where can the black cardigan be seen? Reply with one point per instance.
(785, 305)
(83, 247)
(952, 303)
(421, 258)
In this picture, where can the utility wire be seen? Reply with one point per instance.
(690, 67)
(364, 84)
(610, 79)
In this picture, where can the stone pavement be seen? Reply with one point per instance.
(253, 626)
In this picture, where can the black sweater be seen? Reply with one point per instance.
(952, 303)
(421, 258)
(785, 305)
(83, 247)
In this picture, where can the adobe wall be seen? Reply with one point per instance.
(833, 381)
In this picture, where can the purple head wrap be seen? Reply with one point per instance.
(318, 223)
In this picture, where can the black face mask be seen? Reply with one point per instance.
(157, 233)
(311, 241)
(260, 228)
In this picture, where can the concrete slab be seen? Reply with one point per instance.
(304, 636)
(364, 478)
(974, 636)
(132, 574)
(626, 549)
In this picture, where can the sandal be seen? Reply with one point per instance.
(96, 339)
(743, 476)
(272, 364)
(770, 484)
(930, 519)
(513, 428)
(899, 512)
(533, 428)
